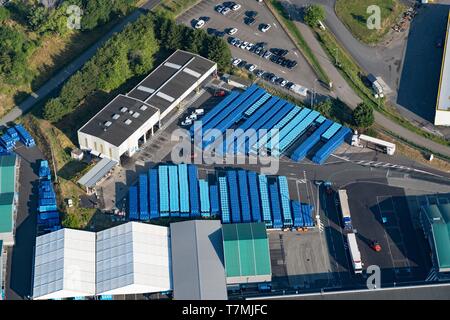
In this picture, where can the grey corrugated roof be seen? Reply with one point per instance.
(197, 260)
(94, 175)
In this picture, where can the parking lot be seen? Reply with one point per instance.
(275, 37)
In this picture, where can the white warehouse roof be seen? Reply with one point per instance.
(128, 259)
(64, 264)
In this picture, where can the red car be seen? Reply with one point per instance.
(375, 245)
(219, 93)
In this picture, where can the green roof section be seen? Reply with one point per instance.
(7, 173)
(6, 212)
(439, 218)
(246, 250)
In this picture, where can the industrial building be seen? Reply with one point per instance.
(8, 197)
(2, 272)
(246, 253)
(435, 220)
(197, 260)
(234, 196)
(442, 117)
(130, 258)
(126, 121)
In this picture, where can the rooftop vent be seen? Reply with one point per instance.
(124, 109)
(116, 116)
(128, 122)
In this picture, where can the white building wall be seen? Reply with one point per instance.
(442, 118)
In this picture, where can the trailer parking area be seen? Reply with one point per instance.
(275, 37)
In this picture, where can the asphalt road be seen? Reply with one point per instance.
(20, 256)
(59, 78)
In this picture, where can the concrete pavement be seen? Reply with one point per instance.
(58, 79)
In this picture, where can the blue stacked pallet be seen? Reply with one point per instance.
(297, 214)
(215, 111)
(143, 198)
(224, 201)
(331, 145)
(3, 151)
(153, 193)
(184, 190)
(205, 206)
(285, 203)
(164, 208)
(214, 200)
(193, 190)
(254, 196)
(44, 170)
(26, 138)
(234, 196)
(276, 208)
(47, 204)
(173, 192)
(48, 218)
(51, 224)
(265, 202)
(307, 211)
(255, 106)
(303, 149)
(13, 134)
(243, 191)
(133, 203)
(7, 142)
(47, 197)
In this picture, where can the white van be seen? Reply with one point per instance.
(199, 112)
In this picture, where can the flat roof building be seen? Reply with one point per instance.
(442, 116)
(120, 126)
(197, 260)
(246, 253)
(435, 221)
(8, 178)
(131, 258)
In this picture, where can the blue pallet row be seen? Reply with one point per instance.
(50, 223)
(184, 189)
(143, 198)
(45, 185)
(331, 131)
(3, 151)
(279, 110)
(273, 140)
(212, 122)
(254, 196)
(163, 176)
(234, 196)
(153, 191)
(297, 214)
(193, 190)
(274, 129)
(276, 208)
(47, 216)
(307, 215)
(224, 201)
(302, 150)
(255, 106)
(7, 142)
(205, 206)
(237, 114)
(47, 194)
(174, 194)
(13, 134)
(285, 203)
(216, 110)
(331, 145)
(25, 136)
(321, 119)
(265, 201)
(44, 170)
(214, 200)
(133, 203)
(244, 200)
(296, 132)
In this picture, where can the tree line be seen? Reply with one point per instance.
(131, 53)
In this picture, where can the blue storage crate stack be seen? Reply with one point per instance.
(244, 199)
(300, 153)
(331, 145)
(143, 198)
(265, 201)
(153, 193)
(285, 202)
(254, 196)
(44, 170)
(48, 216)
(133, 203)
(164, 208)
(174, 194)
(193, 190)
(307, 211)
(214, 200)
(3, 151)
(276, 208)
(297, 214)
(13, 134)
(234, 196)
(25, 136)
(7, 142)
(205, 206)
(224, 201)
(184, 190)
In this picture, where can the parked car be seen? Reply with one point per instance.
(193, 116)
(233, 41)
(242, 64)
(251, 14)
(219, 8)
(225, 11)
(218, 93)
(273, 79)
(186, 122)
(244, 45)
(235, 6)
(260, 73)
(267, 54)
(252, 67)
(282, 82)
(200, 112)
(249, 46)
(220, 34)
(200, 23)
(258, 50)
(265, 27)
(232, 31)
(236, 62)
(249, 21)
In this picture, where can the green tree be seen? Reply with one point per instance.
(313, 14)
(219, 52)
(4, 14)
(363, 115)
(54, 110)
(324, 107)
